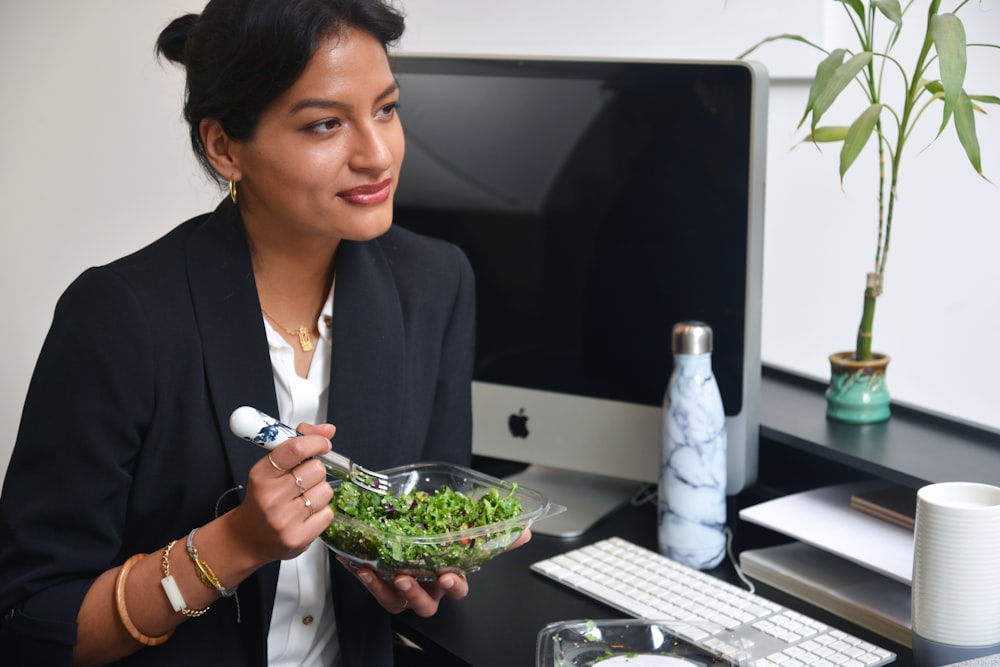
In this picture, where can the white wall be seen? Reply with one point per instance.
(94, 162)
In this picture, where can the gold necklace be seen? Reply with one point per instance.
(304, 334)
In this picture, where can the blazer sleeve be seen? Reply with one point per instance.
(78, 438)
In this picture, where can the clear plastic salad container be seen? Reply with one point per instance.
(424, 540)
(636, 642)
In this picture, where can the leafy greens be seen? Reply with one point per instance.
(422, 532)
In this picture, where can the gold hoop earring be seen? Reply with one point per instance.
(232, 190)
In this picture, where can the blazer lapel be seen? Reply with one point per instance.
(368, 350)
(237, 363)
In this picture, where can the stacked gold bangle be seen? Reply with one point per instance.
(205, 572)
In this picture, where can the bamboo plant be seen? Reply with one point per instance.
(874, 67)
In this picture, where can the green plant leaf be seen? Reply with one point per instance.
(948, 35)
(824, 72)
(835, 84)
(858, 7)
(827, 134)
(965, 125)
(986, 99)
(891, 10)
(857, 136)
(937, 90)
(778, 38)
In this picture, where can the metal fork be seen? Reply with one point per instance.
(261, 429)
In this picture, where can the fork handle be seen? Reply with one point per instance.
(261, 429)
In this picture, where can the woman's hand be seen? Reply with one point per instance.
(423, 597)
(404, 592)
(521, 541)
(288, 497)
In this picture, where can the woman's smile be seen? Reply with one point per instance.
(368, 195)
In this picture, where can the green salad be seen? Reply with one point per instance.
(422, 531)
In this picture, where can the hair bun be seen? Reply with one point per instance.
(173, 40)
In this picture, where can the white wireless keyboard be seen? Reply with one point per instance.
(713, 614)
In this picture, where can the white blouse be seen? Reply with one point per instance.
(303, 630)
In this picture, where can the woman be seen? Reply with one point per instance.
(295, 296)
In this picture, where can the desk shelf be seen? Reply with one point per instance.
(911, 448)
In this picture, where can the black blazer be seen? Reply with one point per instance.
(124, 441)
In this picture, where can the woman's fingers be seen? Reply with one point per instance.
(406, 593)
(315, 440)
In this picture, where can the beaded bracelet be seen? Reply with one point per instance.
(172, 591)
(205, 572)
(123, 616)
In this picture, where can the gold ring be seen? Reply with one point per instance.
(302, 487)
(309, 505)
(406, 603)
(275, 465)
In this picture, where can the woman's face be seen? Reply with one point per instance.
(325, 158)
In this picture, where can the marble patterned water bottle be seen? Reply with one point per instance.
(692, 498)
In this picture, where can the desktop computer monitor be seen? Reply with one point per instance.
(599, 202)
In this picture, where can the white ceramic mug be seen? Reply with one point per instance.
(956, 573)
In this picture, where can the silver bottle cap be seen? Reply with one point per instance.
(691, 338)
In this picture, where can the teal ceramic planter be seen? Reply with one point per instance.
(858, 393)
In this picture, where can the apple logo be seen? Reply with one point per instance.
(518, 424)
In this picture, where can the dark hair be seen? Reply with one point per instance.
(240, 55)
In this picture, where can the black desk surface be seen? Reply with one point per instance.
(498, 623)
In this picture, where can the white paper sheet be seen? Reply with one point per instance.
(825, 519)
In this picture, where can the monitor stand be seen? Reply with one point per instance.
(587, 497)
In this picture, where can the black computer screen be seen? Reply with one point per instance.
(599, 204)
